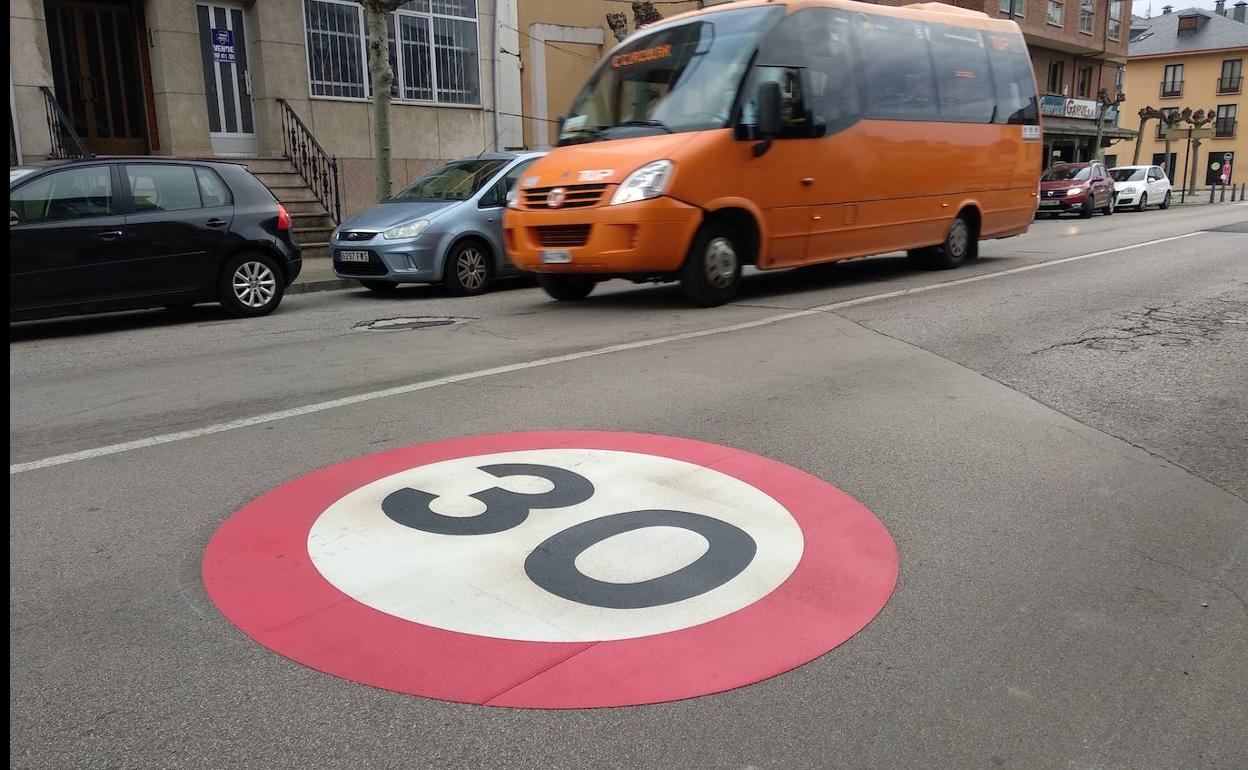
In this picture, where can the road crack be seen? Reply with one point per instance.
(1176, 324)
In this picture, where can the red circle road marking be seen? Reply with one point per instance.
(258, 571)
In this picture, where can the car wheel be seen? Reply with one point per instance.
(1087, 209)
(1143, 202)
(1165, 202)
(468, 269)
(1109, 206)
(251, 285)
(567, 288)
(711, 274)
(961, 244)
(381, 287)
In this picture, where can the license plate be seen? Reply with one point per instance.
(1050, 203)
(353, 256)
(556, 256)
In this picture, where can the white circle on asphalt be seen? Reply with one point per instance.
(477, 584)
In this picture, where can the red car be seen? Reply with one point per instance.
(1081, 187)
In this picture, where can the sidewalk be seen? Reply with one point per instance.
(318, 275)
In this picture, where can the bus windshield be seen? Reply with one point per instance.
(682, 77)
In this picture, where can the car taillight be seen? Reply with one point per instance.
(283, 218)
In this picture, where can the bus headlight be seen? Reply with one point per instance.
(649, 181)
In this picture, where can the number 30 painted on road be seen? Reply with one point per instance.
(552, 565)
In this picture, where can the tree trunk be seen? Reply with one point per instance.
(383, 79)
(1139, 139)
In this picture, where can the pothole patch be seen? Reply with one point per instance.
(409, 323)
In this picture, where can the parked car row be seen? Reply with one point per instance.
(128, 233)
(1085, 188)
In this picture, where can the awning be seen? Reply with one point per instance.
(1078, 127)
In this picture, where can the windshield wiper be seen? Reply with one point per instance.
(648, 123)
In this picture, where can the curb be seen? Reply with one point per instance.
(331, 284)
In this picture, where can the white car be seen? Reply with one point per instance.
(1141, 187)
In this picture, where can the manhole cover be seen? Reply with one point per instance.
(410, 322)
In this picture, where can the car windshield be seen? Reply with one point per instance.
(17, 173)
(455, 181)
(1067, 174)
(1128, 174)
(681, 77)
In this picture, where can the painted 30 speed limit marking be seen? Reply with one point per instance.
(553, 569)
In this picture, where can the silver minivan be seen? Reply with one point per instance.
(446, 227)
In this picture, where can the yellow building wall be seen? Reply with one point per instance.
(567, 64)
(1200, 92)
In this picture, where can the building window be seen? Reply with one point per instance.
(336, 48)
(1111, 161)
(1055, 12)
(1119, 78)
(1231, 81)
(1224, 125)
(1083, 83)
(1057, 77)
(1114, 27)
(1161, 124)
(433, 50)
(1087, 15)
(1172, 81)
(1018, 6)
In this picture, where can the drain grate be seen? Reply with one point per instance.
(406, 323)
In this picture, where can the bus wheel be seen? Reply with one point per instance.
(711, 274)
(960, 245)
(566, 288)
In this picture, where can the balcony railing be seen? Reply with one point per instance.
(1230, 85)
(1224, 127)
(1170, 88)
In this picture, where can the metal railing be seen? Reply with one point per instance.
(318, 168)
(1224, 127)
(1171, 88)
(1230, 85)
(65, 143)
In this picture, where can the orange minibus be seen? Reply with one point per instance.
(783, 134)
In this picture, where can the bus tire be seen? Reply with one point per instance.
(960, 244)
(567, 288)
(711, 274)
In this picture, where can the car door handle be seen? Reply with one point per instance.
(808, 181)
(215, 222)
(109, 235)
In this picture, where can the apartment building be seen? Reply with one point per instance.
(1190, 59)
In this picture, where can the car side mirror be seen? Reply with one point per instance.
(770, 121)
(13, 220)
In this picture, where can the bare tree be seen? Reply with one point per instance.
(1170, 120)
(382, 76)
(1199, 119)
(1146, 114)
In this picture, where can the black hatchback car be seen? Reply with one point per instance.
(107, 234)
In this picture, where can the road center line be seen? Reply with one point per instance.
(399, 390)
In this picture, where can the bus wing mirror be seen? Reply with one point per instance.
(769, 119)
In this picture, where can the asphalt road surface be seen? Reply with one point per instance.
(1056, 437)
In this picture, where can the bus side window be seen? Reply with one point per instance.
(898, 69)
(963, 80)
(809, 54)
(1013, 82)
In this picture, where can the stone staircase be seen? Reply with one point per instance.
(311, 223)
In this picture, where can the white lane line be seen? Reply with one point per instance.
(399, 390)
